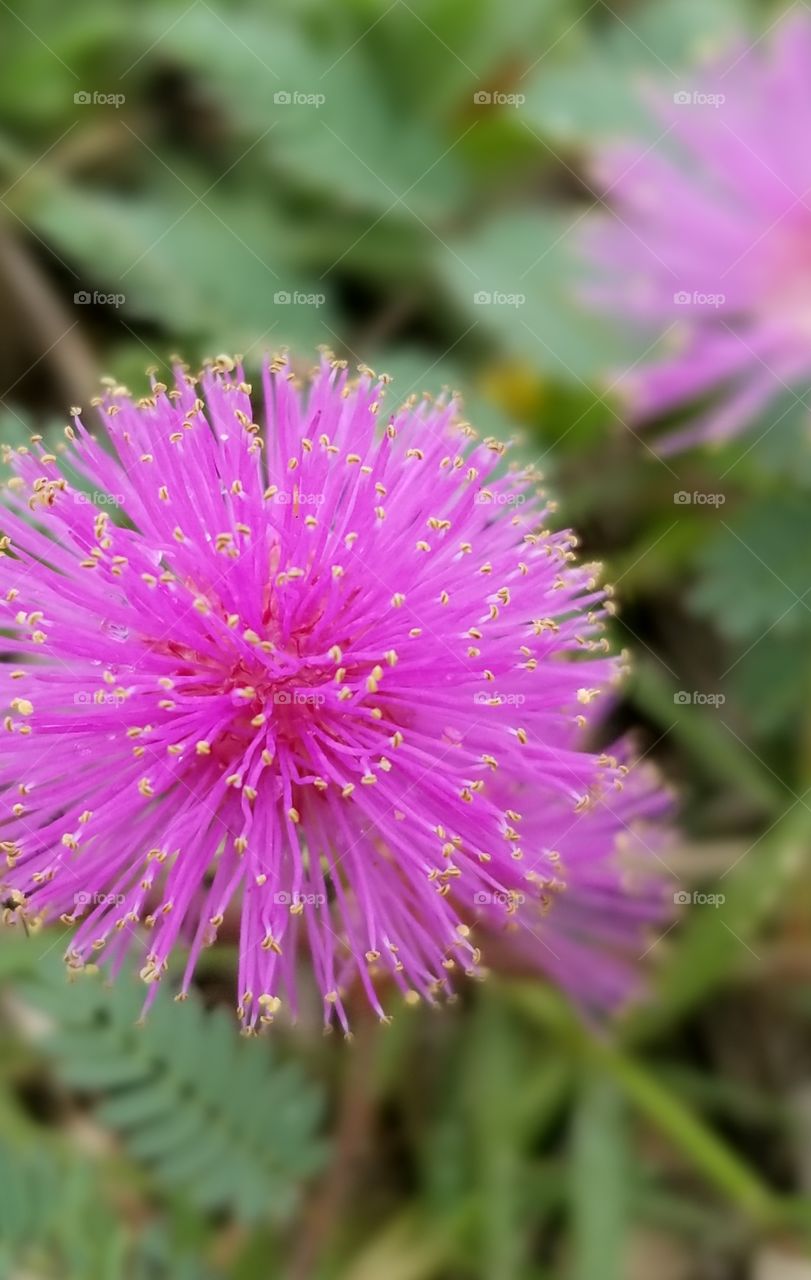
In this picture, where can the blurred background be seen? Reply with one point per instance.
(404, 181)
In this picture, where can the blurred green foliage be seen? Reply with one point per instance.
(244, 175)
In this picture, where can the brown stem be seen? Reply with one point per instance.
(57, 338)
(386, 323)
(351, 1144)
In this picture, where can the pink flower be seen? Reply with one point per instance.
(315, 670)
(592, 927)
(710, 242)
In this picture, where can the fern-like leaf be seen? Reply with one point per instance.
(215, 1117)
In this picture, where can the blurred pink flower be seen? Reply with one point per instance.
(709, 242)
(591, 930)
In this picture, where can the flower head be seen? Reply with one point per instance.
(596, 924)
(709, 242)
(321, 671)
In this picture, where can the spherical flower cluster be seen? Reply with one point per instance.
(334, 673)
(707, 242)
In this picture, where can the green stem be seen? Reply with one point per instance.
(706, 738)
(716, 1161)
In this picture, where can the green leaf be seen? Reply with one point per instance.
(516, 279)
(708, 740)
(599, 1172)
(19, 954)
(210, 1112)
(405, 1247)
(15, 428)
(414, 372)
(714, 942)
(498, 1137)
(54, 1215)
(717, 1161)
(209, 267)
(755, 578)
(592, 85)
(459, 46)
(327, 138)
(771, 681)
